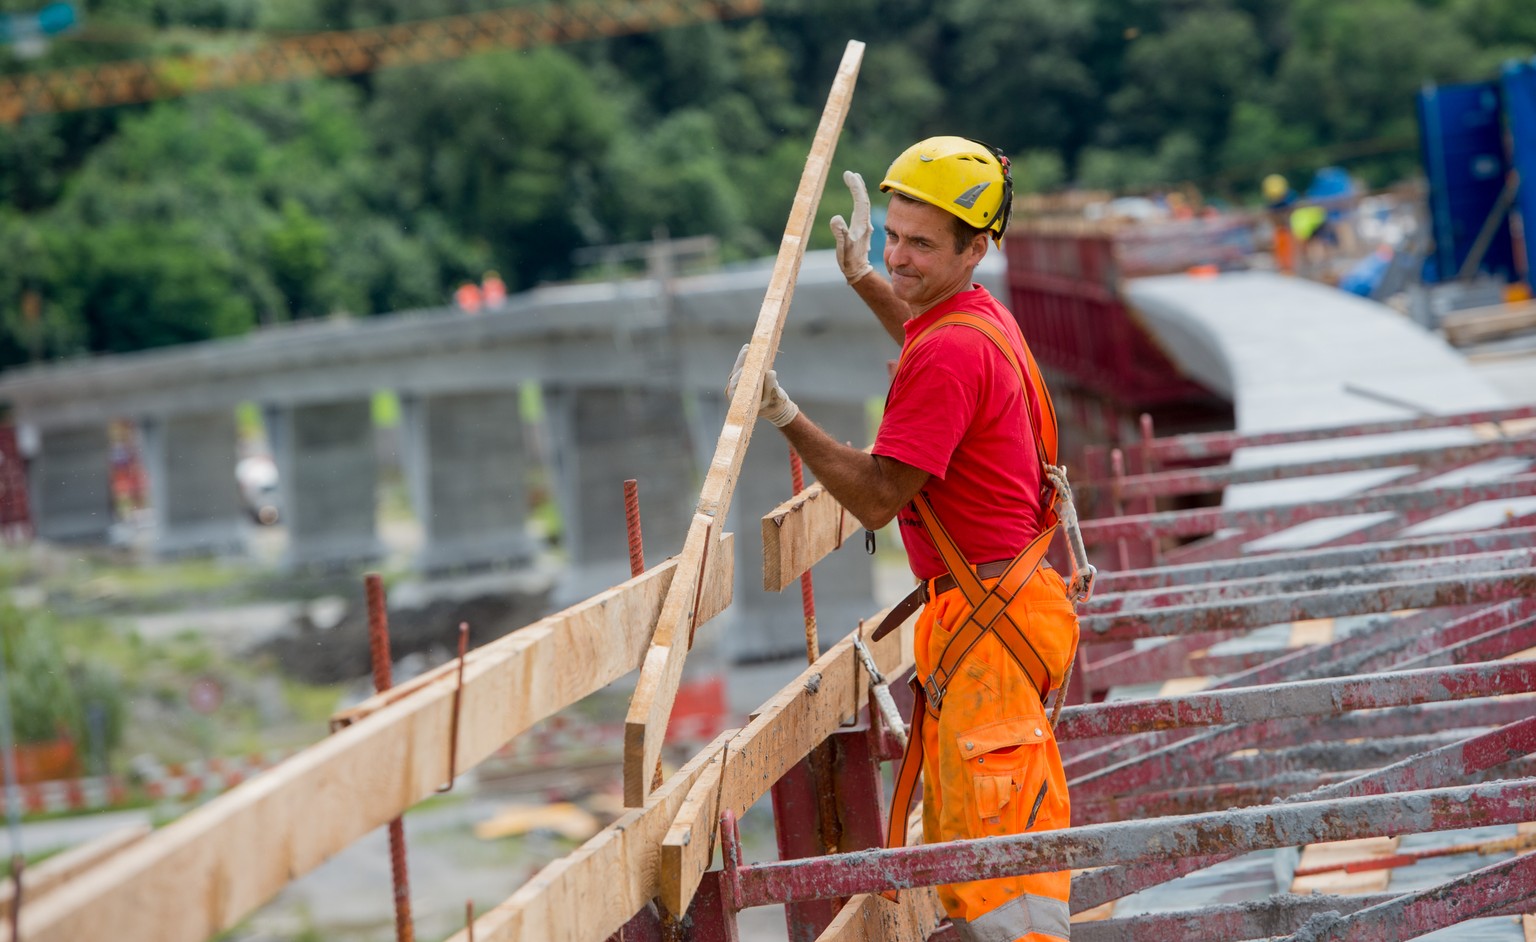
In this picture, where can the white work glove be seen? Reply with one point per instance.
(773, 405)
(853, 240)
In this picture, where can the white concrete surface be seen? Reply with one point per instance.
(1296, 354)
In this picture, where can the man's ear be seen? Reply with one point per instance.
(978, 248)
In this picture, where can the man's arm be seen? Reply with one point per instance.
(853, 258)
(871, 487)
(876, 292)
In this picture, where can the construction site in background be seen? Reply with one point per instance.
(1302, 707)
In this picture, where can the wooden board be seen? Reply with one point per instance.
(799, 717)
(1338, 882)
(800, 532)
(205, 872)
(1312, 631)
(646, 723)
(873, 918)
(589, 894)
(1488, 323)
(37, 881)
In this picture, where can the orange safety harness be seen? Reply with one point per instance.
(989, 606)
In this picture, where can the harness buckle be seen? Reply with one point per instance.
(934, 689)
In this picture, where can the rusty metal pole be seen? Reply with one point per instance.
(1117, 465)
(807, 590)
(823, 757)
(632, 526)
(378, 648)
(1439, 768)
(1135, 843)
(1149, 466)
(1216, 445)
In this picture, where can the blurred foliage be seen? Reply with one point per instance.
(183, 220)
(53, 684)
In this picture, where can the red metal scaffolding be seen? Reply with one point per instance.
(1405, 709)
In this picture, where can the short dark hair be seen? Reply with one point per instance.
(964, 233)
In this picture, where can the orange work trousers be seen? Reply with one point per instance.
(989, 752)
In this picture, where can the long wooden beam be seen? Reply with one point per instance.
(872, 918)
(63, 867)
(591, 893)
(797, 719)
(203, 873)
(646, 722)
(800, 532)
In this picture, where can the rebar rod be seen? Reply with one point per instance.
(378, 649)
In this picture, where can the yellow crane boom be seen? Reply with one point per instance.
(351, 52)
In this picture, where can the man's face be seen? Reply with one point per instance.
(920, 254)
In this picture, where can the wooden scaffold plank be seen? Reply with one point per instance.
(803, 714)
(800, 532)
(590, 894)
(202, 874)
(662, 671)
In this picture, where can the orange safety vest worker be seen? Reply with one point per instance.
(996, 633)
(967, 445)
(991, 642)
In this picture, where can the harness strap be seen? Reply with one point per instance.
(989, 606)
(1042, 411)
(906, 778)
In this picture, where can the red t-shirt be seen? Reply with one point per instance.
(956, 410)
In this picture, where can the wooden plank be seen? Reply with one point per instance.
(1339, 882)
(798, 718)
(591, 893)
(1488, 323)
(798, 533)
(873, 918)
(52, 873)
(203, 873)
(646, 723)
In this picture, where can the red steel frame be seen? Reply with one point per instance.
(1419, 695)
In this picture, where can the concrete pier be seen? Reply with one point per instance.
(466, 461)
(328, 477)
(189, 460)
(71, 483)
(601, 436)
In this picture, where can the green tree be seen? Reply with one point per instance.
(1186, 80)
(1352, 70)
(507, 146)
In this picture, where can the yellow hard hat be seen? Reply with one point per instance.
(1275, 188)
(963, 177)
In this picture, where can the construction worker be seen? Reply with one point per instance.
(958, 461)
(468, 298)
(1278, 199)
(493, 291)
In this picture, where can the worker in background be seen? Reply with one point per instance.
(468, 298)
(493, 291)
(1278, 198)
(958, 462)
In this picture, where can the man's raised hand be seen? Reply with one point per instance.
(853, 239)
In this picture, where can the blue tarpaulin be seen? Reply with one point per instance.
(1463, 148)
(1520, 105)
